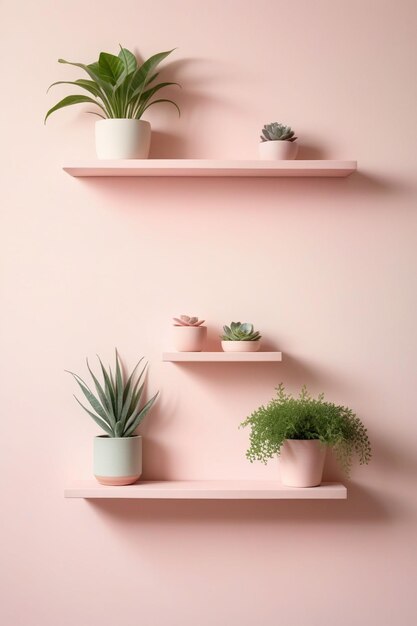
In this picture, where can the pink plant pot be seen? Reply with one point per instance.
(241, 346)
(278, 150)
(189, 338)
(301, 462)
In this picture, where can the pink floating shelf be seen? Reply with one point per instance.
(206, 490)
(205, 167)
(222, 357)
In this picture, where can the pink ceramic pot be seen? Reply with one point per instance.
(241, 346)
(278, 150)
(189, 338)
(301, 462)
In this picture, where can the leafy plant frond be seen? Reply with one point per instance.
(120, 87)
(305, 417)
(69, 101)
(116, 406)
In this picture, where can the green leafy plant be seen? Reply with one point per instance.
(186, 320)
(277, 132)
(305, 417)
(120, 88)
(117, 403)
(240, 332)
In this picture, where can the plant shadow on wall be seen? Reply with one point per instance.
(171, 143)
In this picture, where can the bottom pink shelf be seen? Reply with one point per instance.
(206, 490)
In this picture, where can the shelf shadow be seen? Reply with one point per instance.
(362, 506)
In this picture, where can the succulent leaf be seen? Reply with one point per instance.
(117, 404)
(186, 320)
(240, 332)
(277, 132)
(141, 415)
(97, 419)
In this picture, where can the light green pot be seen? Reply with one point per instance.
(117, 460)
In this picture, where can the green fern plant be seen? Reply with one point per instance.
(118, 86)
(240, 332)
(305, 417)
(117, 403)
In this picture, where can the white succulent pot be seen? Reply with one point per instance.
(123, 139)
(189, 338)
(117, 460)
(301, 462)
(278, 150)
(241, 346)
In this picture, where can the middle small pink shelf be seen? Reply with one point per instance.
(222, 357)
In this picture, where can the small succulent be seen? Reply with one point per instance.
(116, 405)
(186, 320)
(240, 332)
(277, 132)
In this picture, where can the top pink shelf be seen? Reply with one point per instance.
(214, 168)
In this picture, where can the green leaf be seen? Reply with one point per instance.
(110, 67)
(98, 114)
(92, 400)
(128, 59)
(104, 398)
(129, 391)
(142, 73)
(119, 387)
(92, 70)
(118, 431)
(109, 387)
(163, 100)
(152, 78)
(88, 85)
(142, 104)
(150, 92)
(141, 415)
(134, 407)
(69, 101)
(98, 421)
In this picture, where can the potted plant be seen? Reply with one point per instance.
(189, 334)
(123, 91)
(277, 142)
(116, 409)
(299, 430)
(240, 338)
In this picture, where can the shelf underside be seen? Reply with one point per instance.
(222, 357)
(206, 490)
(214, 168)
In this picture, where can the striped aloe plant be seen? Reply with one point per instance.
(117, 403)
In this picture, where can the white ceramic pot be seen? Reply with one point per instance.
(241, 346)
(189, 338)
(278, 150)
(117, 460)
(301, 462)
(123, 139)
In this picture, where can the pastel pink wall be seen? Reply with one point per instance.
(326, 268)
